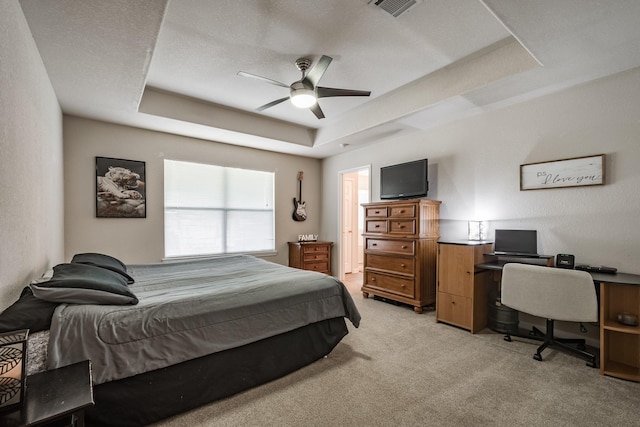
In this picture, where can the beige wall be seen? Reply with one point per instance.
(141, 240)
(474, 170)
(31, 197)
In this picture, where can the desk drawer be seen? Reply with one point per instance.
(404, 247)
(392, 264)
(396, 285)
(454, 309)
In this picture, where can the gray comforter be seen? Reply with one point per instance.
(190, 309)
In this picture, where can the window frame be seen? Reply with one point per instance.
(224, 212)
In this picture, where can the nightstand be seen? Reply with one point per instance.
(313, 256)
(57, 397)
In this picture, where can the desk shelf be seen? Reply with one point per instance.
(613, 325)
(619, 344)
(622, 371)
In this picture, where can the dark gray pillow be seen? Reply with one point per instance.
(84, 284)
(104, 261)
(28, 312)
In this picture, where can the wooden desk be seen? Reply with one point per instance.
(619, 344)
(463, 290)
(53, 396)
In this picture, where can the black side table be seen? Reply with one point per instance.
(55, 397)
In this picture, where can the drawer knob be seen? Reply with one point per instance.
(453, 302)
(374, 244)
(377, 212)
(404, 246)
(373, 279)
(377, 225)
(403, 265)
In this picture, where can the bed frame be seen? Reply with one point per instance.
(153, 396)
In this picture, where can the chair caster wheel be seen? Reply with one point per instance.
(507, 338)
(538, 357)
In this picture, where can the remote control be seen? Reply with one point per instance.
(592, 269)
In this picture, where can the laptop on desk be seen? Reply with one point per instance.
(518, 243)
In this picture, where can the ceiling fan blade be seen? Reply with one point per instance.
(315, 109)
(264, 79)
(315, 74)
(272, 103)
(325, 92)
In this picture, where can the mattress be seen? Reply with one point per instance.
(37, 343)
(190, 309)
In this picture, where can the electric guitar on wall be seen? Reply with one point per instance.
(299, 207)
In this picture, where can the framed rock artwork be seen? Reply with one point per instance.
(120, 188)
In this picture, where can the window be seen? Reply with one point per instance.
(216, 210)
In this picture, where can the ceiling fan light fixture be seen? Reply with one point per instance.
(303, 98)
(305, 92)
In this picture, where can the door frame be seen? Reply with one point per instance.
(341, 273)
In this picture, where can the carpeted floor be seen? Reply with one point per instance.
(404, 369)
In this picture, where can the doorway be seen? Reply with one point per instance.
(355, 187)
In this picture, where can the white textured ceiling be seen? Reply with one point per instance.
(172, 65)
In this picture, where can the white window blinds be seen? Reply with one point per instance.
(215, 210)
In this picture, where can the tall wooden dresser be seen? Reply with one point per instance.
(400, 251)
(314, 256)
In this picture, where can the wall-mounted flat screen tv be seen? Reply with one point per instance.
(404, 180)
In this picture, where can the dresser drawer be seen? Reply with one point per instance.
(391, 263)
(402, 211)
(404, 247)
(396, 285)
(315, 248)
(376, 212)
(321, 266)
(402, 226)
(376, 226)
(316, 256)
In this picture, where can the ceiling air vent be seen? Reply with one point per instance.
(396, 7)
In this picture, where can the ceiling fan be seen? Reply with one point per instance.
(305, 92)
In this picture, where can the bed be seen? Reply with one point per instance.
(187, 333)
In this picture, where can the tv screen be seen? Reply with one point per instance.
(404, 180)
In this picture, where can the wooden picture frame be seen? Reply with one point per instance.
(573, 172)
(120, 188)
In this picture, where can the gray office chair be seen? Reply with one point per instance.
(555, 294)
